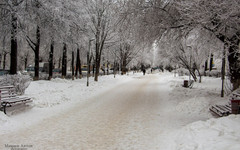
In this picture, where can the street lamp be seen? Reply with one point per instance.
(88, 60)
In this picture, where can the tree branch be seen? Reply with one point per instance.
(30, 43)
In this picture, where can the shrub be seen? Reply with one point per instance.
(169, 68)
(214, 73)
(182, 72)
(20, 82)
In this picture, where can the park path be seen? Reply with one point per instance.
(133, 115)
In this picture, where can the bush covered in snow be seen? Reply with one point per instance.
(169, 68)
(20, 82)
(214, 73)
(182, 71)
(45, 76)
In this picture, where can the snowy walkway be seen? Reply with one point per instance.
(131, 116)
(125, 117)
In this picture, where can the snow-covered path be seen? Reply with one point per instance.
(125, 117)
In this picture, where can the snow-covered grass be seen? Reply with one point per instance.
(197, 128)
(196, 101)
(210, 132)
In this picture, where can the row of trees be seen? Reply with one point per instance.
(189, 31)
(186, 32)
(53, 29)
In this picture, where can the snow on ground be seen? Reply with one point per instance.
(209, 133)
(51, 97)
(221, 134)
(196, 101)
(185, 119)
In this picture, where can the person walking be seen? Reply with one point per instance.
(144, 71)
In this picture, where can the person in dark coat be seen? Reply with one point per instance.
(144, 71)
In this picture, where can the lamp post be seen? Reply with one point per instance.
(88, 60)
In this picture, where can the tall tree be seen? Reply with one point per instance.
(78, 65)
(101, 24)
(64, 61)
(73, 68)
(35, 14)
(9, 21)
(35, 46)
(51, 60)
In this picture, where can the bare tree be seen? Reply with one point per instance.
(9, 11)
(221, 18)
(102, 23)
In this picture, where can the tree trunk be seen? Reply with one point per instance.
(107, 68)
(114, 69)
(97, 62)
(51, 61)
(223, 69)
(64, 61)
(4, 60)
(0, 60)
(234, 64)
(36, 68)
(13, 63)
(72, 65)
(124, 65)
(200, 76)
(205, 67)
(89, 64)
(78, 65)
(100, 40)
(59, 62)
(211, 63)
(25, 62)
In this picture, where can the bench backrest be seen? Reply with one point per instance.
(7, 91)
(236, 95)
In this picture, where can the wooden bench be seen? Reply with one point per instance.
(236, 95)
(8, 97)
(221, 110)
(225, 110)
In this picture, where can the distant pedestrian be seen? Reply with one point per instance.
(151, 70)
(144, 71)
